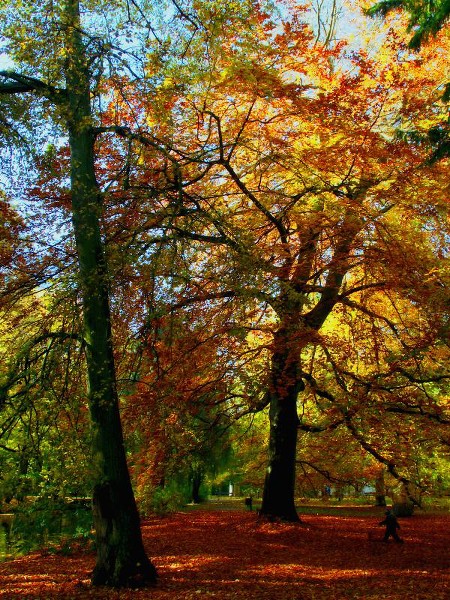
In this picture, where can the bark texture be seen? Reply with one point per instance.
(279, 486)
(121, 558)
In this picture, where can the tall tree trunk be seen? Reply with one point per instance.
(279, 485)
(294, 333)
(196, 481)
(380, 489)
(121, 558)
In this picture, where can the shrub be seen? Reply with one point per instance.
(160, 501)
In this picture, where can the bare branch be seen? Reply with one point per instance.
(391, 467)
(16, 83)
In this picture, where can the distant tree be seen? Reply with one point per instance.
(426, 17)
(180, 395)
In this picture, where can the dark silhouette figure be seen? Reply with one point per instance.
(391, 527)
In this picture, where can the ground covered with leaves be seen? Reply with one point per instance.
(337, 554)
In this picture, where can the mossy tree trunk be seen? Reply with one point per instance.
(196, 480)
(121, 558)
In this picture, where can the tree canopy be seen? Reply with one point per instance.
(228, 252)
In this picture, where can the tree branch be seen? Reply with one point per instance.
(16, 83)
(325, 473)
(417, 411)
(380, 458)
(343, 300)
(16, 373)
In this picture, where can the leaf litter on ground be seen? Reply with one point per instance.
(235, 555)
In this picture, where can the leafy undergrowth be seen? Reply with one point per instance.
(231, 555)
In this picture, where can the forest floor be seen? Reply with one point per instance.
(334, 554)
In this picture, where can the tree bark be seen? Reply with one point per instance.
(279, 485)
(196, 481)
(380, 489)
(295, 332)
(121, 558)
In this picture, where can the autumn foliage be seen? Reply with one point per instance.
(229, 222)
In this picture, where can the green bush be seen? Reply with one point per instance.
(160, 501)
(44, 522)
(403, 509)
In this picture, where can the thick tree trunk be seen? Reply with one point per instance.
(292, 336)
(196, 481)
(121, 558)
(279, 485)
